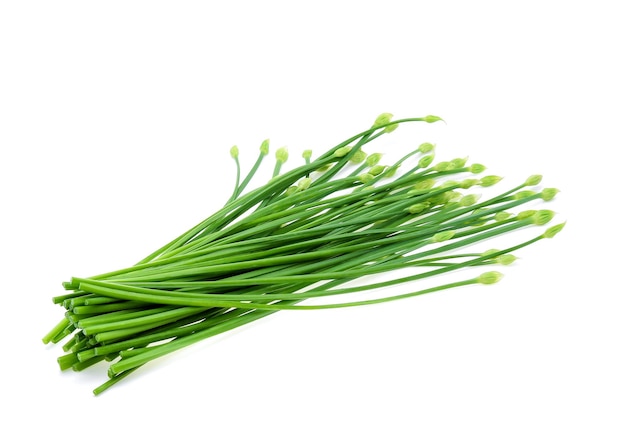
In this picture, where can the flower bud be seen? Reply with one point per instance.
(533, 180)
(523, 194)
(442, 166)
(391, 171)
(477, 168)
(307, 154)
(502, 215)
(468, 183)
(304, 183)
(385, 118)
(382, 119)
(489, 180)
(366, 178)
(552, 231)
(443, 236)
(425, 184)
(450, 184)
(548, 194)
(489, 252)
(424, 162)
(373, 159)
(292, 189)
(458, 163)
(342, 151)
(506, 259)
(418, 208)
(376, 170)
(425, 148)
(234, 152)
(282, 154)
(525, 214)
(469, 200)
(542, 217)
(432, 119)
(358, 157)
(489, 278)
(265, 147)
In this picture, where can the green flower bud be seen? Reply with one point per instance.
(382, 119)
(425, 148)
(432, 119)
(526, 214)
(323, 168)
(234, 152)
(452, 205)
(455, 195)
(502, 215)
(391, 171)
(366, 178)
(424, 162)
(307, 154)
(265, 147)
(523, 194)
(443, 236)
(506, 259)
(490, 252)
(425, 184)
(373, 159)
(304, 183)
(458, 163)
(477, 168)
(292, 189)
(450, 184)
(376, 170)
(489, 278)
(282, 154)
(469, 200)
(468, 183)
(490, 180)
(418, 208)
(542, 217)
(441, 198)
(533, 180)
(442, 166)
(342, 151)
(548, 193)
(390, 128)
(552, 231)
(358, 157)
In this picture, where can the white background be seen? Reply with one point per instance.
(115, 123)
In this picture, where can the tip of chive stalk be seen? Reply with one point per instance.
(265, 147)
(282, 154)
(477, 168)
(489, 278)
(548, 194)
(385, 118)
(358, 157)
(342, 151)
(373, 159)
(489, 180)
(234, 152)
(425, 161)
(533, 180)
(542, 217)
(552, 231)
(425, 148)
(432, 119)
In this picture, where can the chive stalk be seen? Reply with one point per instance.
(307, 233)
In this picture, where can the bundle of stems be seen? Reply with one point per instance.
(307, 233)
